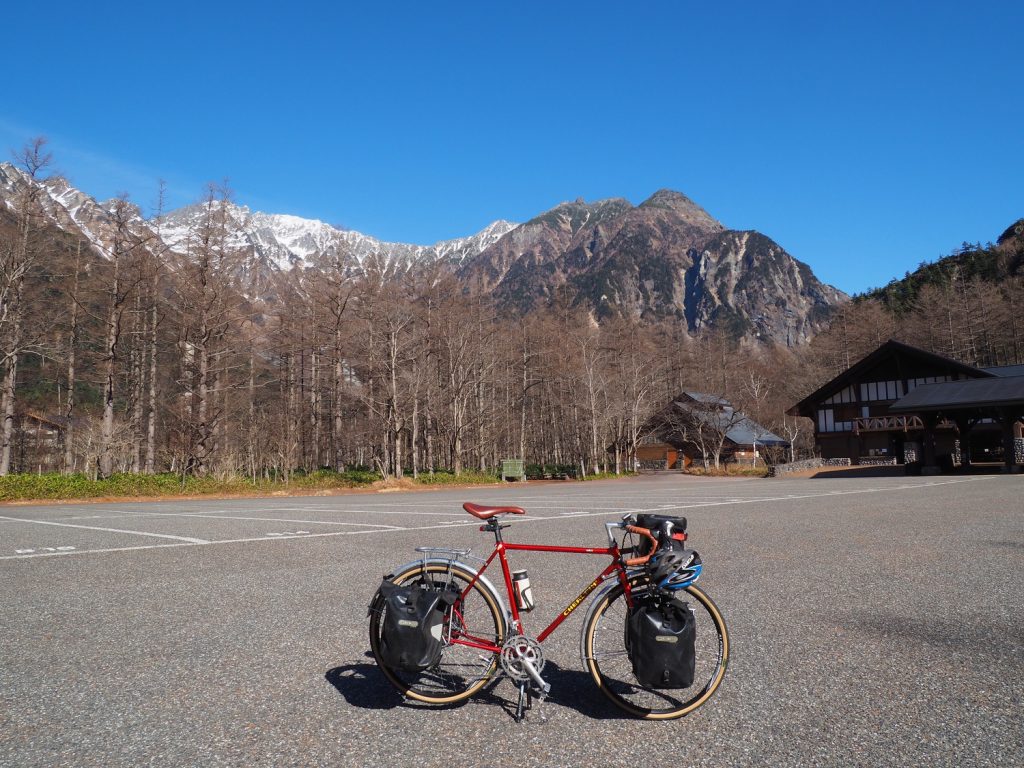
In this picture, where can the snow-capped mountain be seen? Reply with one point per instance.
(278, 241)
(288, 241)
(666, 259)
(70, 209)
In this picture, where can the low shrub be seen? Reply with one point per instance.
(547, 471)
(329, 478)
(607, 475)
(729, 470)
(79, 486)
(466, 477)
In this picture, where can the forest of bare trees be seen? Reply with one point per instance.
(133, 358)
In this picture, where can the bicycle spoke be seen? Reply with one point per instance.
(609, 661)
(462, 668)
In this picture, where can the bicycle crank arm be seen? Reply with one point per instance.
(531, 670)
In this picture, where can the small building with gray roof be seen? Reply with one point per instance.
(697, 426)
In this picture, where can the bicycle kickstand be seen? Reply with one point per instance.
(525, 703)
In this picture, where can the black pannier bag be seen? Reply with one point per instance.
(413, 624)
(660, 640)
(669, 531)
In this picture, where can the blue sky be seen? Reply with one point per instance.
(864, 138)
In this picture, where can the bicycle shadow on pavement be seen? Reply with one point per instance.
(575, 689)
(363, 685)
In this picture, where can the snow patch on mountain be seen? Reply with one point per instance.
(287, 241)
(281, 241)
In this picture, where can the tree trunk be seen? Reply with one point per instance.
(10, 381)
(203, 405)
(151, 405)
(415, 435)
(138, 384)
(339, 424)
(314, 404)
(110, 352)
(522, 410)
(69, 411)
(428, 427)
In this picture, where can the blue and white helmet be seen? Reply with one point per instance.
(675, 568)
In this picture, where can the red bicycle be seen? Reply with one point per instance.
(481, 633)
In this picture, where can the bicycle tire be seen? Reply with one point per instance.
(605, 657)
(461, 670)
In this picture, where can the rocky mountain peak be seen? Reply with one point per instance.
(570, 217)
(666, 259)
(669, 199)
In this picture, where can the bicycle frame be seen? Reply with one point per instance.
(482, 638)
(501, 547)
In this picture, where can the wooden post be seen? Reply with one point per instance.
(964, 424)
(928, 465)
(1006, 418)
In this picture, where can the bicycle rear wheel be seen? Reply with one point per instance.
(476, 617)
(605, 656)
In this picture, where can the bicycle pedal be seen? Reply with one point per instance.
(539, 710)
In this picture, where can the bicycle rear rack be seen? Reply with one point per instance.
(447, 553)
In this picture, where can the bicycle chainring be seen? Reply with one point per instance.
(517, 648)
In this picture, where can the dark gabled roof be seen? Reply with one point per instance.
(702, 397)
(805, 406)
(1005, 370)
(739, 428)
(749, 432)
(961, 395)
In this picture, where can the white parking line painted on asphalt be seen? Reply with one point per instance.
(449, 513)
(334, 509)
(94, 517)
(453, 524)
(218, 516)
(189, 539)
(761, 500)
(95, 551)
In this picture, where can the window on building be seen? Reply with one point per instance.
(828, 422)
(844, 396)
(881, 390)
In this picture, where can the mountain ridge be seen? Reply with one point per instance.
(991, 263)
(664, 259)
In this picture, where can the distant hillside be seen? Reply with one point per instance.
(991, 263)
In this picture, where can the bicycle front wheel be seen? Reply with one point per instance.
(476, 618)
(606, 658)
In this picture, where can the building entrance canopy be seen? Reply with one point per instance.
(968, 402)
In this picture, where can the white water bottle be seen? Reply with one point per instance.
(522, 590)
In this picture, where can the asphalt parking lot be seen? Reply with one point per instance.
(873, 621)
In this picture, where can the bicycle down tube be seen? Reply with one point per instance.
(502, 547)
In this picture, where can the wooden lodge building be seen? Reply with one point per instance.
(905, 405)
(694, 425)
